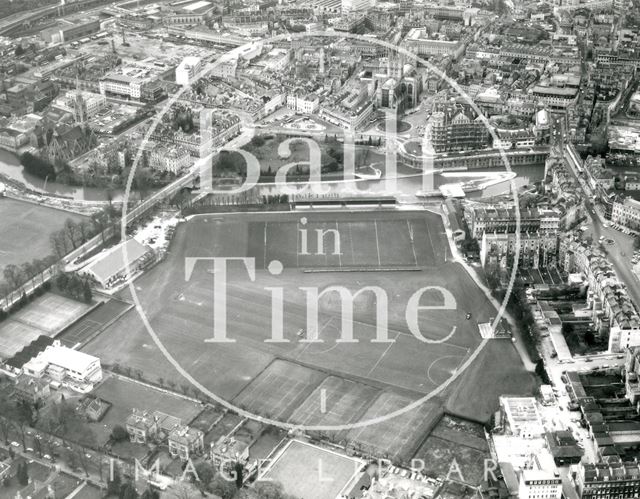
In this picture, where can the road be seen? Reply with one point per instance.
(620, 252)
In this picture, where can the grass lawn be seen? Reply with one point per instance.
(126, 395)
(278, 378)
(441, 455)
(398, 437)
(25, 229)
(497, 371)
(311, 472)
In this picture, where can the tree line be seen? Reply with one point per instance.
(71, 236)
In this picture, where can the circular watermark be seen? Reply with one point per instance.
(276, 268)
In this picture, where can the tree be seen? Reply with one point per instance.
(239, 469)
(206, 473)
(87, 294)
(150, 493)
(114, 483)
(128, 491)
(5, 429)
(13, 275)
(23, 474)
(72, 233)
(119, 433)
(224, 488)
(270, 490)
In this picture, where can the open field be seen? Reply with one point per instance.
(496, 371)
(46, 315)
(440, 456)
(127, 395)
(398, 437)
(453, 442)
(25, 229)
(93, 322)
(311, 472)
(285, 378)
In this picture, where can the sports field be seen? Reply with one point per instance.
(287, 379)
(337, 401)
(92, 322)
(25, 229)
(358, 242)
(46, 315)
(399, 437)
(310, 472)
(278, 390)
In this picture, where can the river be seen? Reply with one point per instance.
(10, 167)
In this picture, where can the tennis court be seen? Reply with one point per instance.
(93, 322)
(398, 437)
(14, 336)
(279, 389)
(46, 315)
(336, 401)
(51, 312)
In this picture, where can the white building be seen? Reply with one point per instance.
(522, 416)
(187, 70)
(356, 5)
(109, 269)
(306, 104)
(626, 213)
(121, 85)
(538, 484)
(64, 364)
(225, 67)
(170, 159)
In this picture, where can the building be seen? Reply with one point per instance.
(190, 14)
(65, 143)
(536, 249)
(141, 426)
(612, 311)
(170, 159)
(187, 70)
(184, 442)
(455, 128)
(31, 389)
(626, 213)
(606, 480)
(539, 484)
(66, 31)
(564, 448)
(121, 85)
(502, 219)
(305, 104)
(356, 5)
(556, 98)
(419, 42)
(65, 365)
(225, 67)
(145, 426)
(227, 451)
(522, 416)
(109, 269)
